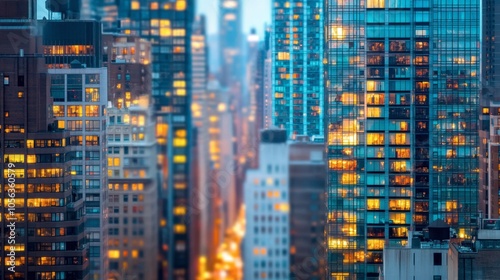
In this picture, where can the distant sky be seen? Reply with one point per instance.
(255, 14)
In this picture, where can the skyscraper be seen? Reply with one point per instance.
(267, 241)
(133, 193)
(297, 66)
(80, 98)
(402, 89)
(42, 215)
(230, 43)
(489, 143)
(167, 24)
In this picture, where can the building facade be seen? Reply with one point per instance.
(128, 59)
(80, 98)
(393, 161)
(42, 216)
(297, 66)
(266, 194)
(306, 186)
(488, 131)
(230, 43)
(168, 25)
(133, 193)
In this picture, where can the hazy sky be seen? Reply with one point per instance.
(255, 14)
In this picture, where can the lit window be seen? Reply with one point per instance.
(375, 244)
(92, 111)
(374, 112)
(20, 94)
(180, 210)
(114, 254)
(340, 164)
(486, 111)
(283, 56)
(180, 229)
(91, 94)
(60, 124)
(75, 111)
(58, 110)
(399, 204)
(337, 243)
(180, 5)
(373, 204)
(135, 5)
(375, 139)
(180, 142)
(349, 98)
(349, 179)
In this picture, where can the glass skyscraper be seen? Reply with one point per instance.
(297, 67)
(402, 89)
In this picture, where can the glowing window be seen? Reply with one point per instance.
(349, 179)
(375, 139)
(373, 204)
(75, 111)
(180, 210)
(58, 110)
(180, 5)
(180, 229)
(375, 244)
(399, 204)
(283, 56)
(114, 254)
(92, 111)
(374, 112)
(400, 139)
(339, 164)
(349, 98)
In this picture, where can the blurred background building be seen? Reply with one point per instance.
(297, 67)
(285, 209)
(133, 193)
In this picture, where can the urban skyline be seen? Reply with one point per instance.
(240, 140)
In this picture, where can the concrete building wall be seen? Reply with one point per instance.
(415, 263)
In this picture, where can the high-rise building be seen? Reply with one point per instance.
(42, 218)
(80, 98)
(167, 24)
(402, 86)
(201, 221)
(133, 193)
(306, 187)
(489, 142)
(297, 66)
(230, 43)
(266, 246)
(251, 113)
(284, 198)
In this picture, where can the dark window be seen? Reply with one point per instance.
(437, 277)
(74, 90)
(438, 260)
(20, 81)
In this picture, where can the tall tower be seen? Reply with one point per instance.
(402, 88)
(489, 144)
(167, 24)
(230, 42)
(297, 66)
(42, 219)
